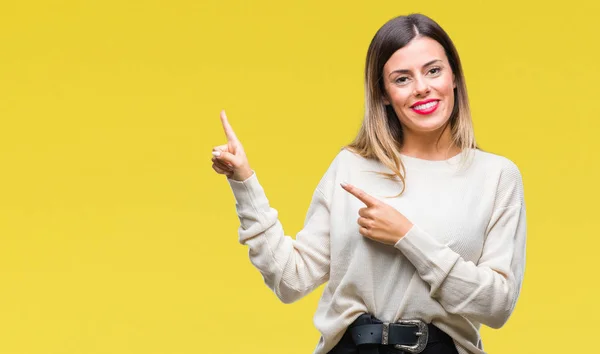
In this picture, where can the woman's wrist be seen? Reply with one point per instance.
(242, 175)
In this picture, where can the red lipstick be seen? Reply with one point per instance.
(427, 110)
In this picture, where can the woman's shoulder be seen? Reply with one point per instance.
(494, 161)
(338, 166)
(347, 153)
(503, 173)
(347, 157)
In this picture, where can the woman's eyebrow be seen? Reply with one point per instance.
(405, 71)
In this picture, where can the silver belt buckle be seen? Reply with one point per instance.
(422, 335)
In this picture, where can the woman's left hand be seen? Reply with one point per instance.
(379, 221)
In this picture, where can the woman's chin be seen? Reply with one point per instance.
(426, 126)
(424, 123)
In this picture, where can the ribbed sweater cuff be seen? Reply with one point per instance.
(247, 190)
(432, 259)
(250, 201)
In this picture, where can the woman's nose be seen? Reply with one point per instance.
(421, 87)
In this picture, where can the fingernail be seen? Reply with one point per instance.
(344, 184)
(216, 153)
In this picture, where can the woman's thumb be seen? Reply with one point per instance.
(225, 157)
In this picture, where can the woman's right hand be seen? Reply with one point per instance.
(230, 159)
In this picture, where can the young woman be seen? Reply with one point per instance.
(419, 234)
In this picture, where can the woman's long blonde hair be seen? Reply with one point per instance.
(380, 136)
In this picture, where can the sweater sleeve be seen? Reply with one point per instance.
(290, 267)
(485, 292)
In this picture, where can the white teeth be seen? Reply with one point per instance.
(425, 106)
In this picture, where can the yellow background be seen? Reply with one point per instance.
(118, 237)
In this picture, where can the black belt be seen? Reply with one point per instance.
(411, 336)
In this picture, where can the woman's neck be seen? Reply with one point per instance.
(429, 146)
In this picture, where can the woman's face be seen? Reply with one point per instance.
(419, 85)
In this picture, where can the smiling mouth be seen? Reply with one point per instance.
(426, 108)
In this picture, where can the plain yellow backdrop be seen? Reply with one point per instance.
(118, 237)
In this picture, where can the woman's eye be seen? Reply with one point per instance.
(435, 70)
(401, 80)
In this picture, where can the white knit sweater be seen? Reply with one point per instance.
(460, 266)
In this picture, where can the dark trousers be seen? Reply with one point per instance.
(346, 345)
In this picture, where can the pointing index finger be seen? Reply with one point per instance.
(227, 127)
(360, 194)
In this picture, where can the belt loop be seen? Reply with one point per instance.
(385, 333)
